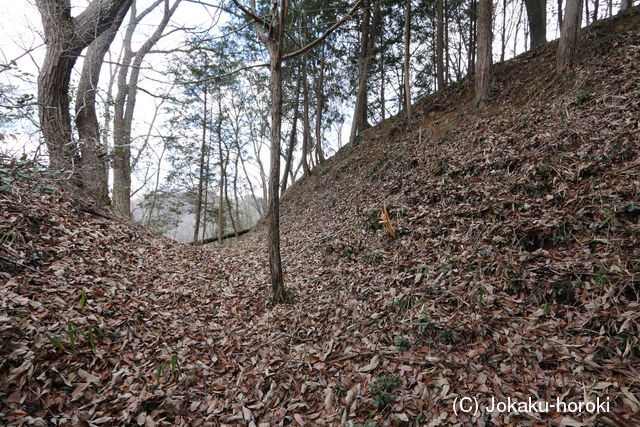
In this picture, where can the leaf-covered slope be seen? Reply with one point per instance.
(514, 275)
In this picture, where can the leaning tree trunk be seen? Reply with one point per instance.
(53, 98)
(484, 65)
(569, 35)
(94, 170)
(537, 17)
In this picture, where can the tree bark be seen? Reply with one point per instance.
(306, 127)
(503, 31)
(275, 47)
(407, 53)
(65, 38)
(125, 102)
(368, 32)
(473, 17)
(560, 14)
(292, 138)
(537, 17)
(569, 36)
(383, 102)
(201, 175)
(484, 66)
(274, 41)
(223, 172)
(319, 91)
(587, 15)
(440, 44)
(94, 171)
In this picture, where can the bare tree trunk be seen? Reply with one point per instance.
(319, 90)
(560, 14)
(446, 43)
(154, 198)
(587, 16)
(274, 43)
(503, 31)
(125, 102)
(537, 16)
(440, 44)
(383, 102)
(596, 6)
(235, 191)
(569, 36)
(306, 127)
(206, 193)
(227, 200)
(66, 37)
(292, 138)
(223, 172)
(94, 170)
(273, 39)
(407, 53)
(484, 67)
(253, 193)
(201, 175)
(473, 13)
(368, 32)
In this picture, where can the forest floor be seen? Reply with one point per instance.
(515, 275)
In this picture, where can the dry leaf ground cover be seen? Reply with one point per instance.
(515, 274)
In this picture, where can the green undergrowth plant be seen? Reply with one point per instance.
(77, 337)
(381, 390)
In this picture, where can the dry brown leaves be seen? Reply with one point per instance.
(514, 275)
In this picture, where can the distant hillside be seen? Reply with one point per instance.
(515, 274)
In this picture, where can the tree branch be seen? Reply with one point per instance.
(325, 35)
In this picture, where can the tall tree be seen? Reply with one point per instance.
(407, 56)
(473, 36)
(484, 65)
(569, 35)
(66, 37)
(202, 166)
(537, 17)
(318, 88)
(271, 34)
(125, 100)
(368, 30)
(94, 160)
(440, 43)
(306, 126)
